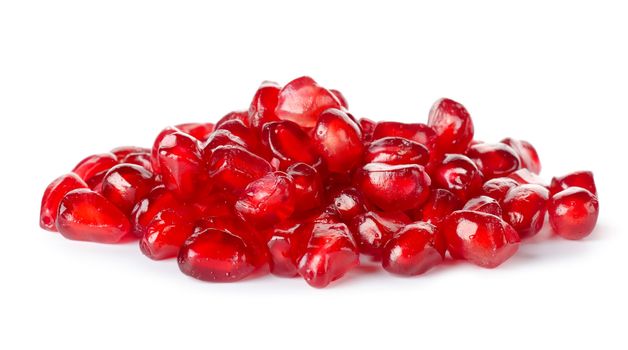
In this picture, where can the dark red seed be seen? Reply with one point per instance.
(242, 116)
(125, 184)
(262, 108)
(267, 200)
(158, 200)
(524, 208)
(341, 98)
(122, 152)
(232, 168)
(182, 169)
(303, 100)
(286, 245)
(526, 152)
(141, 159)
(348, 203)
(417, 132)
(452, 124)
(165, 235)
(394, 187)
(396, 150)
(458, 174)
(338, 140)
(414, 250)
(199, 131)
(95, 167)
(573, 213)
(52, 198)
(582, 179)
(439, 204)
(308, 186)
(498, 187)
(372, 230)
(494, 160)
(367, 127)
(484, 204)
(288, 143)
(525, 176)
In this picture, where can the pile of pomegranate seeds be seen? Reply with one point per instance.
(298, 186)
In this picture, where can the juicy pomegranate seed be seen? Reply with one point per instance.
(154, 153)
(93, 168)
(242, 116)
(526, 153)
(181, 164)
(158, 200)
(52, 198)
(439, 204)
(484, 204)
(415, 249)
(525, 176)
(308, 186)
(126, 184)
(165, 235)
(330, 253)
(341, 98)
(498, 187)
(481, 238)
(338, 141)
(122, 152)
(262, 109)
(223, 138)
(582, 179)
(524, 208)
(420, 133)
(394, 187)
(452, 124)
(287, 245)
(85, 215)
(348, 203)
(494, 160)
(367, 127)
(396, 150)
(288, 143)
(141, 159)
(458, 174)
(232, 168)
(267, 200)
(373, 230)
(199, 131)
(248, 135)
(303, 100)
(573, 213)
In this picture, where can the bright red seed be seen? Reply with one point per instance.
(232, 168)
(165, 235)
(288, 143)
(286, 245)
(573, 212)
(303, 100)
(373, 230)
(348, 203)
(394, 187)
(267, 200)
(414, 250)
(126, 184)
(458, 174)
(52, 198)
(396, 150)
(182, 169)
(494, 160)
(484, 204)
(93, 168)
(498, 187)
(527, 154)
(582, 179)
(452, 124)
(308, 186)
(338, 140)
(439, 204)
(262, 109)
(417, 132)
(199, 131)
(524, 208)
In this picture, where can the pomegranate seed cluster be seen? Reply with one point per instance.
(298, 186)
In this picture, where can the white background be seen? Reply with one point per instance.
(81, 77)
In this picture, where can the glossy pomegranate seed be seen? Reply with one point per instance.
(524, 208)
(288, 143)
(125, 184)
(267, 200)
(372, 230)
(582, 179)
(308, 186)
(286, 245)
(452, 124)
(341, 98)
(414, 250)
(367, 127)
(573, 212)
(199, 131)
(498, 187)
(394, 187)
(232, 168)
(482, 239)
(93, 168)
(154, 153)
(526, 153)
(85, 215)
(124, 151)
(484, 204)
(52, 198)
(494, 160)
(303, 100)
(248, 135)
(439, 204)
(158, 200)
(418, 132)
(223, 138)
(181, 165)
(525, 176)
(242, 116)
(330, 253)
(165, 235)
(262, 109)
(396, 150)
(348, 203)
(458, 174)
(338, 140)
(141, 159)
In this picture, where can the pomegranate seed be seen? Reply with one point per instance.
(524, 208)
(223, 138)
(288, 143)
(141, 159)
(154, 153)
(93, 168)
(267, 200)
(348, 203)
(573, 212)
(338, 141)
(420, 133)
(124, 151)
(341, 98)
(181, 164)
(52, 198)
(242, 116)
(498, 187)
(246, 134)
(372, 230)
(126, 184)
(482, 239)
(526, 153)
(308, 186)
(439, 204)
(262, 109)
(396, 150)
(85, 215)
(525, 176)
(452, 124)
(494, 160)
(199, 131)
(232, 168)
(458, 174)
(287, 245)
(582, 179)
(165, 235)
(484, 204)
(367, 127)
(330, 253)
(414, 250)
(303, 100)
(394, 187)
(157, 200)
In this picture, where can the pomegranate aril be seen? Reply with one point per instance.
(484, 204)
(125, 184)
(157, 200)
(526, 153)
(372, 230)
(348, 203)
(524, 208)
(525, 177)
(414, 250)
(396, 150)
(182, 169)
(165, 234)
(249, 136)
(452, 124)
(573, 212)
(223, 138)
(232, 168)
(308, 186)
(199, 131)
(52, 198)
(338, 140)
(439, 204)
(286, 245)
(367, 127)
(141, 159)
(498, 187)
(458, 174)
(94, 167)
(582, 179)
(123, 151)
(242, 116)
(154, 153)
(494, 160)
(262, 108)
(267, 200)
(303, 100)
(418, 132)
(288, 143)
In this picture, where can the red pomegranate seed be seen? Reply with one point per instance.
(498, 187)
(348, 203)
(573, 212)
(242, 116)
(93, 168)
(199, 131)
(396, 150)
(372, 230)
(330, 253)
(439, 204)
(338, 141)
(341, 98)
(154, 153)
(181, 165)
(526, 153)
(418, 132)
(52, 198)
(524, 208)
(262, 109)
(158, 200)
(367, 127)
(141, 159)
(582, 179)
(303, 100)
(484, 204)
(223, 138)
(232, 168)
(482, 239)
(525, 176)
(458, 174)
(394, 187)
(248, 135)
(452, 124)
(288, 143)
(124, 151)
(494, 160)
(414, 250)
(267, 200)
(308, 186)
(85, 215)
(126, 184)
(286, 245)
(165, 235)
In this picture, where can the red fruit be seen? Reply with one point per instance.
(348, 203)
(573, 212)
(525, 176)
(418, 132)
(394, 187)
(286, 245)
(126, 184)
(458, 174)
(154, 153)
(582, 179)
(481, 238)
(372, 230)
(526, 153)
(396, 150)
(52, 198)
(214, 204)
(415, 249)
(330, 253)
(341, 98)
(452, 124)
(288, 143)
(223, 138)
(141, 159)
(484, 204)
(338, 141)
(498, 187)
(303, 100)
(524, 208)
(308, 186)
(93, 168)
(165, 235)
(242, 116)
(262, 109)
(249, 136)
(85, 215)
(158, 200)
(439, 204)
(181, 165)
(232, 168)
(494, 160)
(122, 152)
(367, 127)
(218, 256)
(199, 131)
(267, 200)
